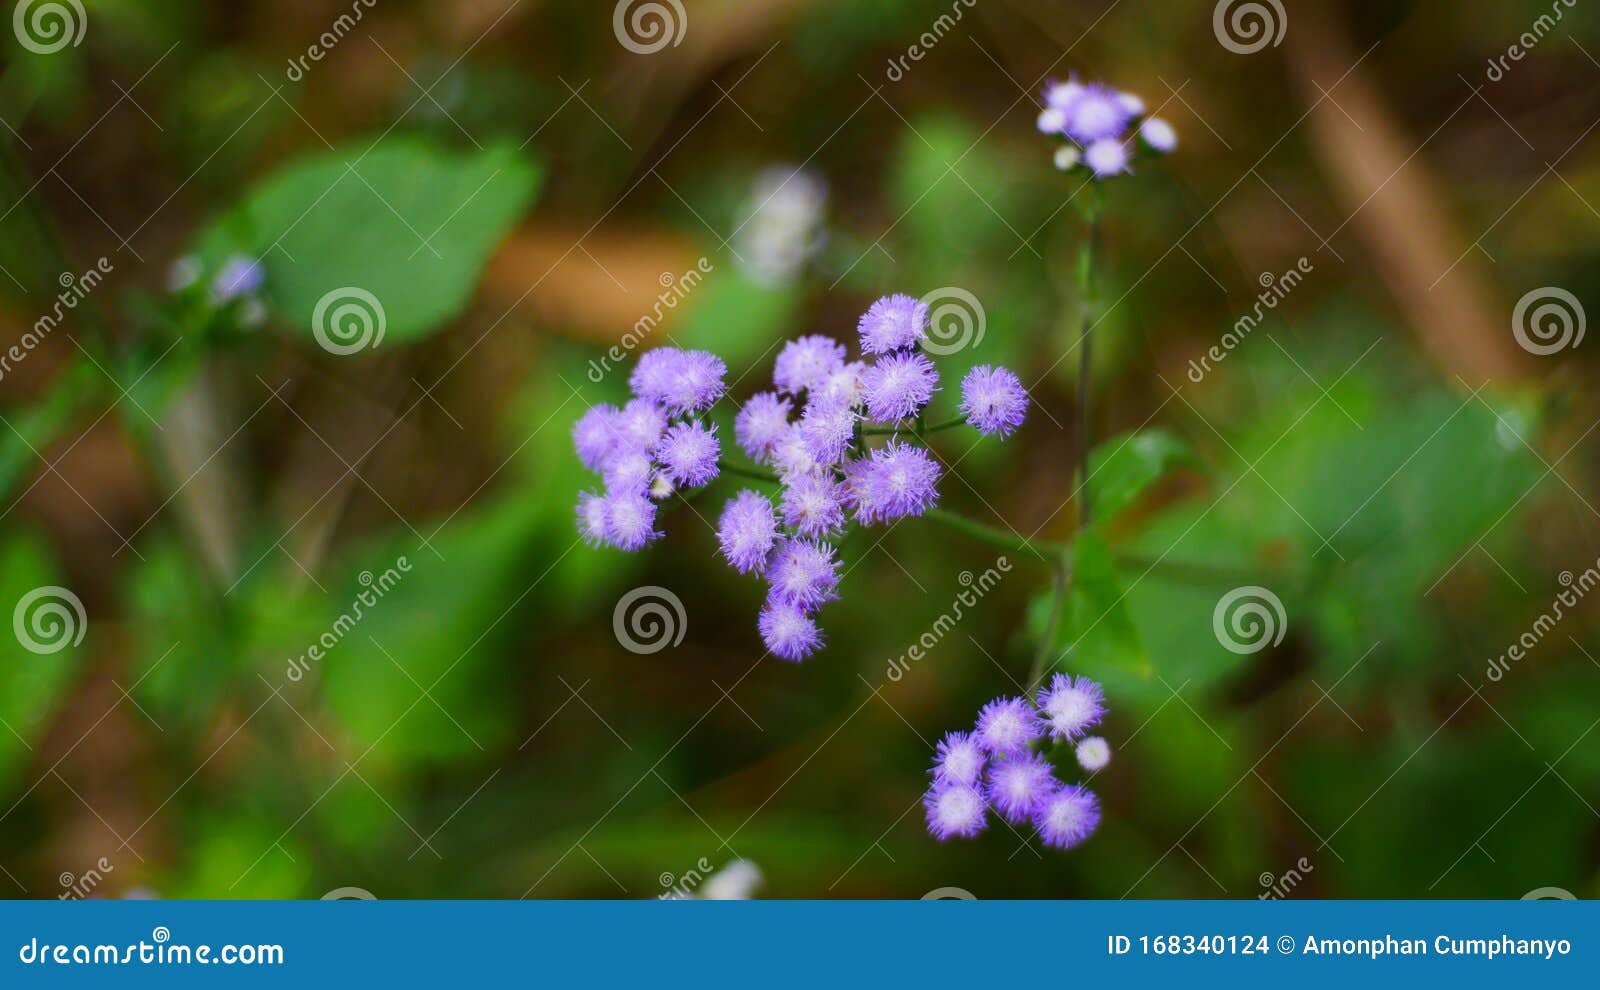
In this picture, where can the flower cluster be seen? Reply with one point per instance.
(654, 445)
(816, 430)
(1095, 119)
(1000, 766)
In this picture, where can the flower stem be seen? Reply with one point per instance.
(750, 473)
(992, 535)
(1058, 603)
(1085, 354)
(888, 431)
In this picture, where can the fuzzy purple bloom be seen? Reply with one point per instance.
(1094, 754)
(762, 422)
(899, 385)
(1096, 113)
(1006, 726)
(828, 428)
(1106, 157)
(1067, 817)
(804, 573)
(788, 631)
(896, 480)
(1158, 134)
(688, 454)
(893, 323)
(630, 520)
(628, 471)
(993, 400)
(813, 505)
(792, 456)
(955, 810)
(240, 276)
(641, 424)
(846, 385)
(806, 362)
(959, 760)
(596, 434)
(1018, 786)
(1071, 707)
(592, 521)
(682, 381)
(747, 531)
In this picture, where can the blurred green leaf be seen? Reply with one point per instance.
(1124, 467)
(32, 685)
(1095, 633)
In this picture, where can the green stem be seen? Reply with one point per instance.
(1058, 601)
(919, 430)
(1085, 341)
(992, 535)
(750, 473)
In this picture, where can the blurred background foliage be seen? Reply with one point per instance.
(519, 188)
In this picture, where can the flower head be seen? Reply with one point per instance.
(804, 573)
(893, 323)
(682, 381)
(1006, 726)
(1094, 754)
(1158, 134)
(955, 810)
(1106, 157)
(1019, 785)
(747, 531)
(993, 400)
(899, 385)
(1096, 113)
(762, 422)
(592, 519)
(596, 434)
(240, 275)
(1071, 707)
(641, 424)
(688, 453)
(828, 427)
(813, 504)
(959, 760)
(1067, 817)
(788, 631)
(846, 385)
(630, 520)
(792, 456)
(629, 471)
(895, 480)
(806, 362)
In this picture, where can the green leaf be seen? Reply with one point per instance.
(1096, 634)
(408, 222)
(1124, 467)
(32, 684)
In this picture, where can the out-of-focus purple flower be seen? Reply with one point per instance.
(806, 362)
(1106, 157)
(628, 471)
(828, 427)
(1006, 726)
(813, 505)
(1131, 103)
(1094, 754)
(630, 520)
(1159, 135)
(895, 480)
(1067, 817)
(955, 810)
(899, 385)
(959, 760)
(1019, 785)
(240, 275)
(747, 531)
(762, 422)
(1062, 95)
(682, 381)
(1067, 156)
(1097, 113)
(641, 424)
(788, 631)
(595, 435)
(1052, 120)
(893, 323)
(592, 519)
(993, 400)
(1071, 706)
(804, 573)
(688, 453)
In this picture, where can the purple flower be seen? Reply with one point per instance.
(1067, 817)
(1094, 754)
(641, 424)
(628, 471)
(688, 453)
(1106, 157)
(1006, 726)
(959, 760)
(893, 323)
(1096, 113)
(846, 385)
(240, 276)
(955, 810)
(592, 519)
(806, 363)
(682, 381)
(1062, 95)
(595, 435)
(896, 480)
(792, 455)
(747, 531)
(993, 400)
(762, 422)
(1019, 786)
(813, 505)
(1071, 707)
(898, 386)
(804, 573)
(655, 374)
(788, 631)
(630, 520)
(1158, 134)
(828, 427)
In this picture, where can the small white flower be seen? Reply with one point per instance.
(1067, 156)
(1094, 753)
(1159, 134)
